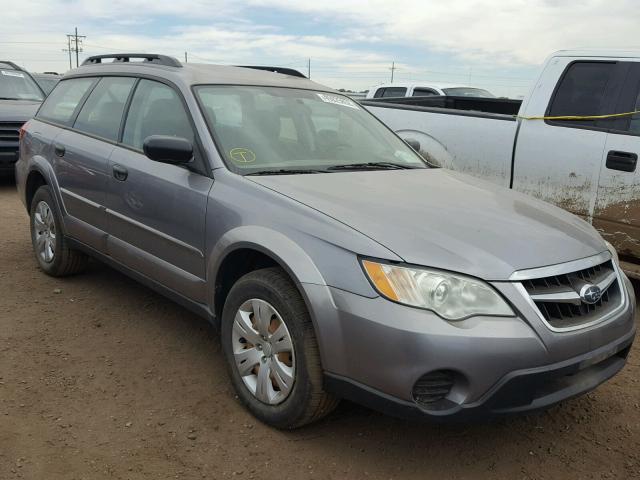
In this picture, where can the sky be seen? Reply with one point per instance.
(494, 44)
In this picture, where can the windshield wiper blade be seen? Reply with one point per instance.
(371, 166)
(286, 171)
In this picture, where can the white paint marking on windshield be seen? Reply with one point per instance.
(338, 100)
(12, 74)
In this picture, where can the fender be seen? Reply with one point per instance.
(40, 164)
(282, 249)
(288, 254)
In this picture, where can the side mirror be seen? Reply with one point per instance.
(415, 144)
(167, 149)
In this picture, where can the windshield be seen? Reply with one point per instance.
(263, 129)
(16, 85)
(468, 92)
(46, 83)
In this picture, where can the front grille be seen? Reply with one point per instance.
(10, 132)
(558, 296)
(9, 142)
(433, 387)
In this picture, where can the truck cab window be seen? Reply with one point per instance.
(394, 92)
(581, 91)
(424, 92)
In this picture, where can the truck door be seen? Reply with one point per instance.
(559, 160)
(617, 208)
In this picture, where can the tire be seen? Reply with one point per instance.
(56, 258)
(305, 401)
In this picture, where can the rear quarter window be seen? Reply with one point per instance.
(61, 104)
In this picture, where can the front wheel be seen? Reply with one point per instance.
(271, 351)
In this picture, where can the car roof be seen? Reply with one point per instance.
(423, 85)
(598, 52)
(46, 75)
(188, 74)
(7, 65)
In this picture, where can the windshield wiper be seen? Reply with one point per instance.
(371, 166)
(285, 171)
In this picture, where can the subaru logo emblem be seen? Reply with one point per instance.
(590, 294)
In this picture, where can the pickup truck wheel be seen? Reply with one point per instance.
(271, 351)
(51, 248)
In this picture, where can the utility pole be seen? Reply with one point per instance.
(185, 57)
(309, 68)
(68, 49)
(393, 69)
(77, 41)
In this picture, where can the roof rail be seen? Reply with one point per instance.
(12, 65)
(126, 57)
(282, 70)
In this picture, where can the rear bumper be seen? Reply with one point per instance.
(519, 391)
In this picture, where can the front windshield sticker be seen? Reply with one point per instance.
(12, 74)
(338, 100)
(242, 155)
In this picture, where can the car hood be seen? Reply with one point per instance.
(444, 219)
(17, 110)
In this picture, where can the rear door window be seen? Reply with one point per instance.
(101, 114)
(62, 102)
(581, 92)
(156, 109)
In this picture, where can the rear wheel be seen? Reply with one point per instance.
(271, 351)
(51, 248)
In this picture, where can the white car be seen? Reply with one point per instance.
(426, 89)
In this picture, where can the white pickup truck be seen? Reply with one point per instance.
(585, 165)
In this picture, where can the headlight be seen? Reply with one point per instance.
(452, 296)
(614, 254)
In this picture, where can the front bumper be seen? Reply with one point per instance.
(8, 157)
(374, 351)
(520, 391)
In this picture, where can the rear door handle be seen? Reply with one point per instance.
(59, 150)
(623, 161)
(120, 173)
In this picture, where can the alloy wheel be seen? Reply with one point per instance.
(44, 227)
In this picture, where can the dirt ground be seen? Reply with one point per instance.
(103, 378)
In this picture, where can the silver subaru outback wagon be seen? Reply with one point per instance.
(336, 262)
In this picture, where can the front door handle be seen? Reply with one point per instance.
(623, 161)
(59, 150)
(120, 173)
